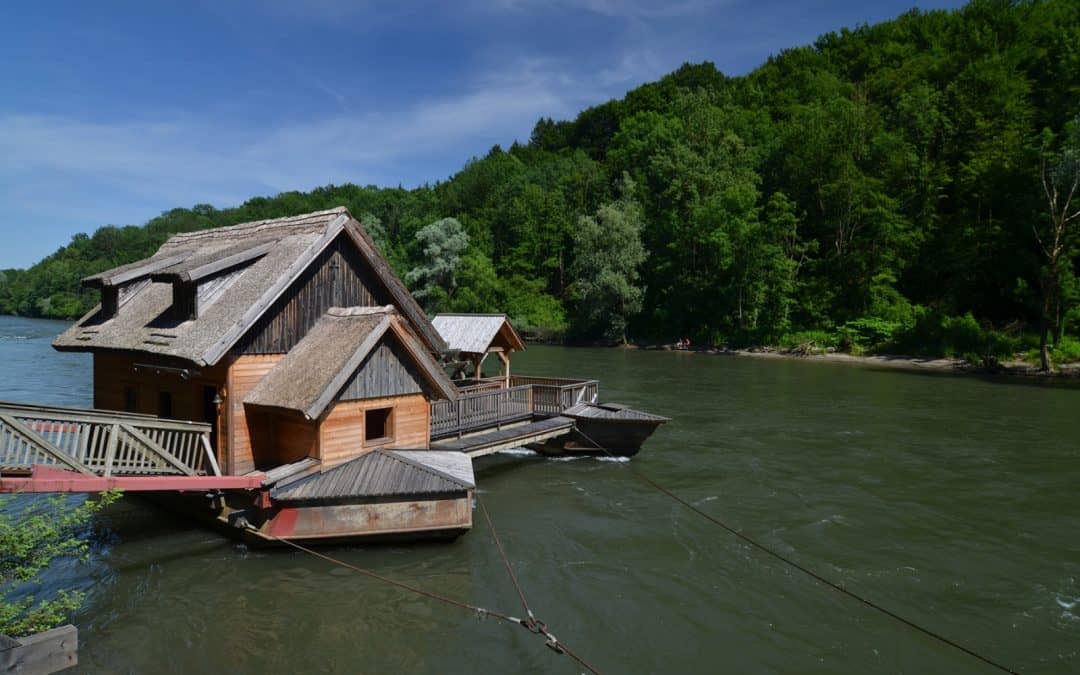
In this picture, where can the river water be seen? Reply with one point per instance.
(951, 500)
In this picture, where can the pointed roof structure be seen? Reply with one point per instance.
(310, 377)
(236, 274)
(478, 333)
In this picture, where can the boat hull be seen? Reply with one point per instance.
(606, 429)
(397, 520)
(620, 438)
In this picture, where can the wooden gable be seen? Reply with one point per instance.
(338, 277)
(385, 372)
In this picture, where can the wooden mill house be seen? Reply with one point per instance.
(281, 368)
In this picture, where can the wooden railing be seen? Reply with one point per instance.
(553, 395)
(485, 384)
(486, 407)
(480, 410)
(102, 443)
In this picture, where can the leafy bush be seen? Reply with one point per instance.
(1066, 351)
(821, 339)
(936, 334)
(30, 539)
(867, 334)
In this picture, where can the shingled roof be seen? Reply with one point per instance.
(383, 473)
(308, 378)
(476, 333)
(252, 264)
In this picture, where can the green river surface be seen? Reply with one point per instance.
(952, 501)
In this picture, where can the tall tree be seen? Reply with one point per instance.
(434, 281)
(608, 254)
(1060, 172)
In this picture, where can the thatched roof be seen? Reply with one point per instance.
(310, 377)
(245, 269)
(477, 333)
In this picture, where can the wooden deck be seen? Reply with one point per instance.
(482, 408)
(488, 442)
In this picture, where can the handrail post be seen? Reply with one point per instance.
(110, 450)
(205, 438)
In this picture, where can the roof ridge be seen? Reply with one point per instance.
(360, 310)
(267, 223)
(421, 466)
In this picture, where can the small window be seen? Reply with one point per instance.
(378, 425)
(130, 400)
(165, 404)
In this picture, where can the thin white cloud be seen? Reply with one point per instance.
(634, 67)
(145, 168)
(625, 9)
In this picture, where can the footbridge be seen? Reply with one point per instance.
(56, 449)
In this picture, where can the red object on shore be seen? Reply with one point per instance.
(45, 478)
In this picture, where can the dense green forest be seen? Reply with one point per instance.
(902, 186)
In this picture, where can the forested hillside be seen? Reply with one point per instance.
(898, 186)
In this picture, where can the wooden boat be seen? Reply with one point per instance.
(616, 428)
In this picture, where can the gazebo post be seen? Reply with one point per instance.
(505, 358)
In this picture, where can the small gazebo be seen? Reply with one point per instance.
(475, 336)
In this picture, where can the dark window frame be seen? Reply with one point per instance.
(379, 419)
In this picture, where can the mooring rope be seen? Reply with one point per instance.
(805, 570)
(536, 625)
(531, 624)
(506, 561)
(393, 582)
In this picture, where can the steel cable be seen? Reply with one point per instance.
(536, 626)
(787, 561)
(531, 624)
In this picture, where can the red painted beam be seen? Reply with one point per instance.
(49, 479)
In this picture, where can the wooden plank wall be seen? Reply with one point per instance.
(337, 278)
(113, 373)
(244, 373)
(294, 439)
(341, 433)
(385, 372)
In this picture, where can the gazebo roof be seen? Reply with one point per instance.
(478, 333)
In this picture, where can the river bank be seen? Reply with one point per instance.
(1012, 368)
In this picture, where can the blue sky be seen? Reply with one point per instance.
(112, 112)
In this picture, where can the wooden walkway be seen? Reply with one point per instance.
(484, 407)
(488, 442)
(102, 443)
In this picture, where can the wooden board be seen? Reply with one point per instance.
(359, 520)
(486, 443)
(114, 373)
(294, 439)
(337, 278)
(244, 373)
(341, 434)
(41, 653)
